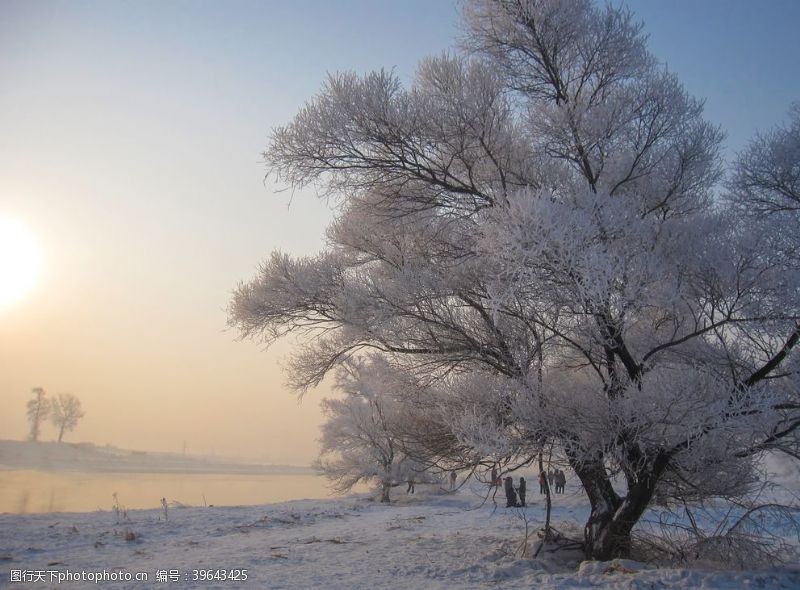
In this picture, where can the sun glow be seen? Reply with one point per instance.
(20, 261)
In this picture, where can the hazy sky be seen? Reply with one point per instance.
(130, 141)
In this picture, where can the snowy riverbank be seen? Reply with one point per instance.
(430, 540)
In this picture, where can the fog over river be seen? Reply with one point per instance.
(53, 477)
(26, 491)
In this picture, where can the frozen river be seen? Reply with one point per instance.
(26, 491)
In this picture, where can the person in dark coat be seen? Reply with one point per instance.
(494, 477)
(542, 483)
(511, 495)
(522, 489)
(562, 481)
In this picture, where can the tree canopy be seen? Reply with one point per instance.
(535, 231)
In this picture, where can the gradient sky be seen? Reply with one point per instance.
(130, 141)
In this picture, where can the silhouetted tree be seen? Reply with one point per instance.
(66, 411)
(38, 411)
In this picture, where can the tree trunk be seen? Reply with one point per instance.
(607, 534)
(61, 432)
(548, 507)
(385, 487)
(604, 501)
(548, 502)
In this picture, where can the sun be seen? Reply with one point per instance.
(20, 260)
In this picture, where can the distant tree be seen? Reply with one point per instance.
(38, 411)
(65, 412)
(360, 441)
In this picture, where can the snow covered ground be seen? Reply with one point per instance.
(430, 540)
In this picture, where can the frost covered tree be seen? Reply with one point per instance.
(38, 409)
(766, 179)
(65, 412)
(531, 230)
(360, 440)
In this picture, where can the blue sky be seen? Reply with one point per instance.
(130, 141)
(742, 56)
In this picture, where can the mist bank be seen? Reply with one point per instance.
(87, 457)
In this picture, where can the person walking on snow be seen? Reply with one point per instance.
(522, 489)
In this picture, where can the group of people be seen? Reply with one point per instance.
(511, 491)
(556, 479)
